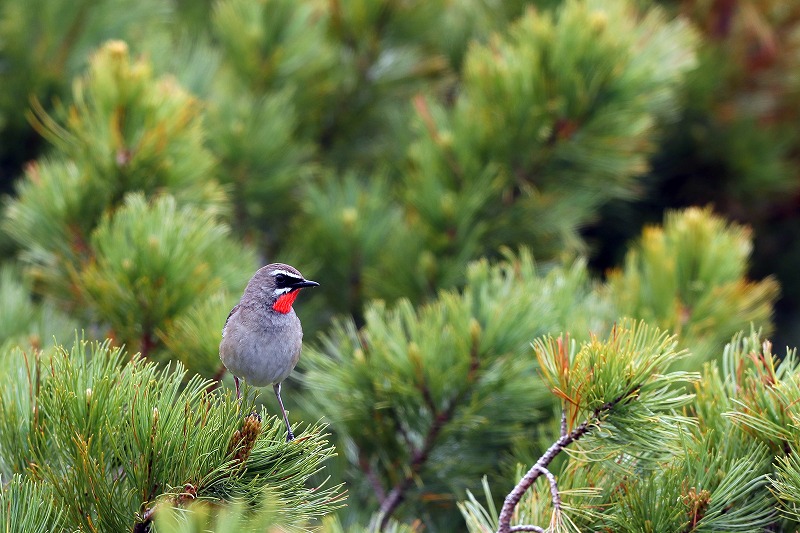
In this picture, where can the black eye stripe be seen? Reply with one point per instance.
(282, 280)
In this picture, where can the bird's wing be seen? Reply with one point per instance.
(235, 307)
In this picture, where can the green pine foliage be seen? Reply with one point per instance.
(360, 224)
(617, 383)
(273, 83)
(413, 157)
(123, 226)
(261, 158)
(689, 277)
(280, 45)
(332, 524)
(152, 263)
(45, 43)
(124, 133)
(735, 145)
(697, 473)
(28, 506)
(115, 440)
(149, 130)
(24, 321)
(524, 153)
(724, 496)
(201, 517)
(193, 336)
(431, 381)
(533, 121)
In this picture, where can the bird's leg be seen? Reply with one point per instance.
(238, 392)
(289, 435)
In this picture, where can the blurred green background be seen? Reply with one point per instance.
(333, 127)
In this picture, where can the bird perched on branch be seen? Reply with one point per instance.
(262, 336)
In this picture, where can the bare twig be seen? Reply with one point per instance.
(553, 489)
(540, 468)
(563, 421)
(556, 503)
(536, 470)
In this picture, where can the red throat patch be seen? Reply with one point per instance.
(285, 301)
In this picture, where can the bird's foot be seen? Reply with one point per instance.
(289, 436)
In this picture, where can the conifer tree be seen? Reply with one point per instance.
(704, 472)
(45, 44)
(530, 146)
(107, 442)
(689, 277)
(123, 225)
(400, 150)
(24, 321)
(430, 382)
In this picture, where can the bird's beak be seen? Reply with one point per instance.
(304, 283)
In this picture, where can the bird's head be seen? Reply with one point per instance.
(277, 285)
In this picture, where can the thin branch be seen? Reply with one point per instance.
(563, 421)
(536, 470)
(556, 502)
(420, 456)
(363, 463)
(553, 489)
(400, 429)
(147, 343)
(540, 468)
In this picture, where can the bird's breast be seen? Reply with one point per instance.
(260, 348)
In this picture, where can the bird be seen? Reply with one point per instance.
(262, 336)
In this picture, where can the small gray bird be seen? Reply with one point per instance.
(262, 336)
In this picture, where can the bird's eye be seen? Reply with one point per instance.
(280, 279)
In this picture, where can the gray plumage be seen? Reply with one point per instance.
(259, 346)
(259, 343)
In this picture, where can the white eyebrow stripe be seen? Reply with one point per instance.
(286, 273)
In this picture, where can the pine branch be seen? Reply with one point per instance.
(540, 468)
(420, 456)
(553, 489)
(556, 501)
(239, 448)
(458, 350)
(373, 479)
(127, 440)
